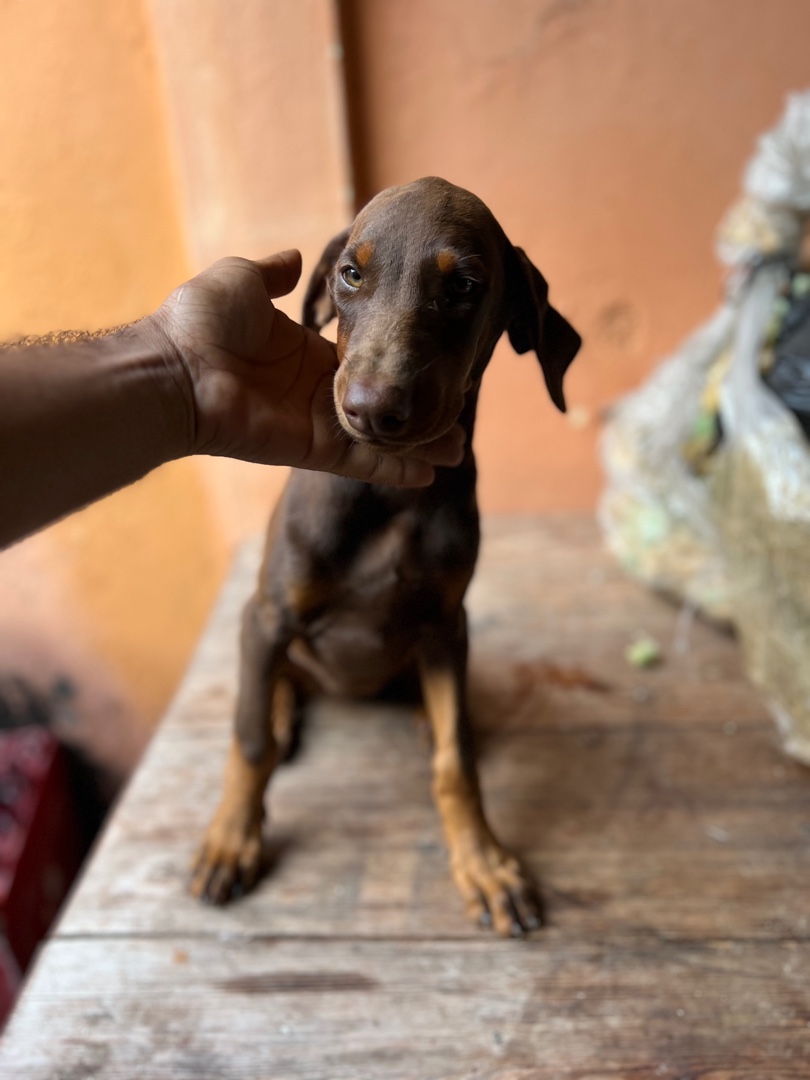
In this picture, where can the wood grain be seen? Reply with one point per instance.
(190, 1008)
(670, 836)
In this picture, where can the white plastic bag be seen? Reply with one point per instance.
(655, 513)
(734, 542)
(761, 502)
(776, 193)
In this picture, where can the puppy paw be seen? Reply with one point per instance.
(228, 864)
(497, 891)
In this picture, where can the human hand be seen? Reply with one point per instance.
(258, 386)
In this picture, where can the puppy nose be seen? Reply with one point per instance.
(376, 408)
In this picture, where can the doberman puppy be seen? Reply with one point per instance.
(361, 583)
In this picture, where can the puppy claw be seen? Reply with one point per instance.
(526, 907)
(226, 867)
(498, 893)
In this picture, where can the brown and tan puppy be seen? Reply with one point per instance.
(362, 583)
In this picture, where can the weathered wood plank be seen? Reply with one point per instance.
(620, 798)
(671, 838)
(621, 827)
(254, 1009)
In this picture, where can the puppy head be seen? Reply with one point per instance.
(423, 284)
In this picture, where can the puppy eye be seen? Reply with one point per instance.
(464, 286)
(352, 277)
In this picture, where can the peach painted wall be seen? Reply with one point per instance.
(253, 100)
(90, 236)
(139, 139)
(608, 136)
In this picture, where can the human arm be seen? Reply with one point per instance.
(216, 370)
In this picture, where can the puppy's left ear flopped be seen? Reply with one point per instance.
(319, 307)
(534, 324)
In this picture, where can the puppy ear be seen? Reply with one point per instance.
(534, 324)
(319, 307)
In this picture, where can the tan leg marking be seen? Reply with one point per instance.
(229, 860)
(491, 881)
(283, 717)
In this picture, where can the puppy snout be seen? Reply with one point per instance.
(377, 409)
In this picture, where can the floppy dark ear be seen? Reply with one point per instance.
(319, 307)
(534, 324)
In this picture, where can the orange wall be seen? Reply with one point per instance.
(90, 236)
(607, 136)
(252, 96)
(137, 143)
(141, 138)
(89, 219)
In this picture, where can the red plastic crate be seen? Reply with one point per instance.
(40, 842)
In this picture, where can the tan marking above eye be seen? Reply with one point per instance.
(446, 261)
(304, 596)
(363, 253)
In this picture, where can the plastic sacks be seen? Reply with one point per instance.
(708, 493)
(776, 186)
(761, 500)
(655, 512)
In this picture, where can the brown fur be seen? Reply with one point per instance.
(361, 584)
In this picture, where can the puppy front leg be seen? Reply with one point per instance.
(230, 858)
(491, 881)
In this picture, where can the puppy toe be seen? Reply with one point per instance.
(527, 907)
(227, 866)
(497, 892)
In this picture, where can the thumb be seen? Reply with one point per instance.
(280, 272)
(362, 463)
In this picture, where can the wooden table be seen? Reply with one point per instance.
(671, 836)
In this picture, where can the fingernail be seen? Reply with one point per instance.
(422, 475)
